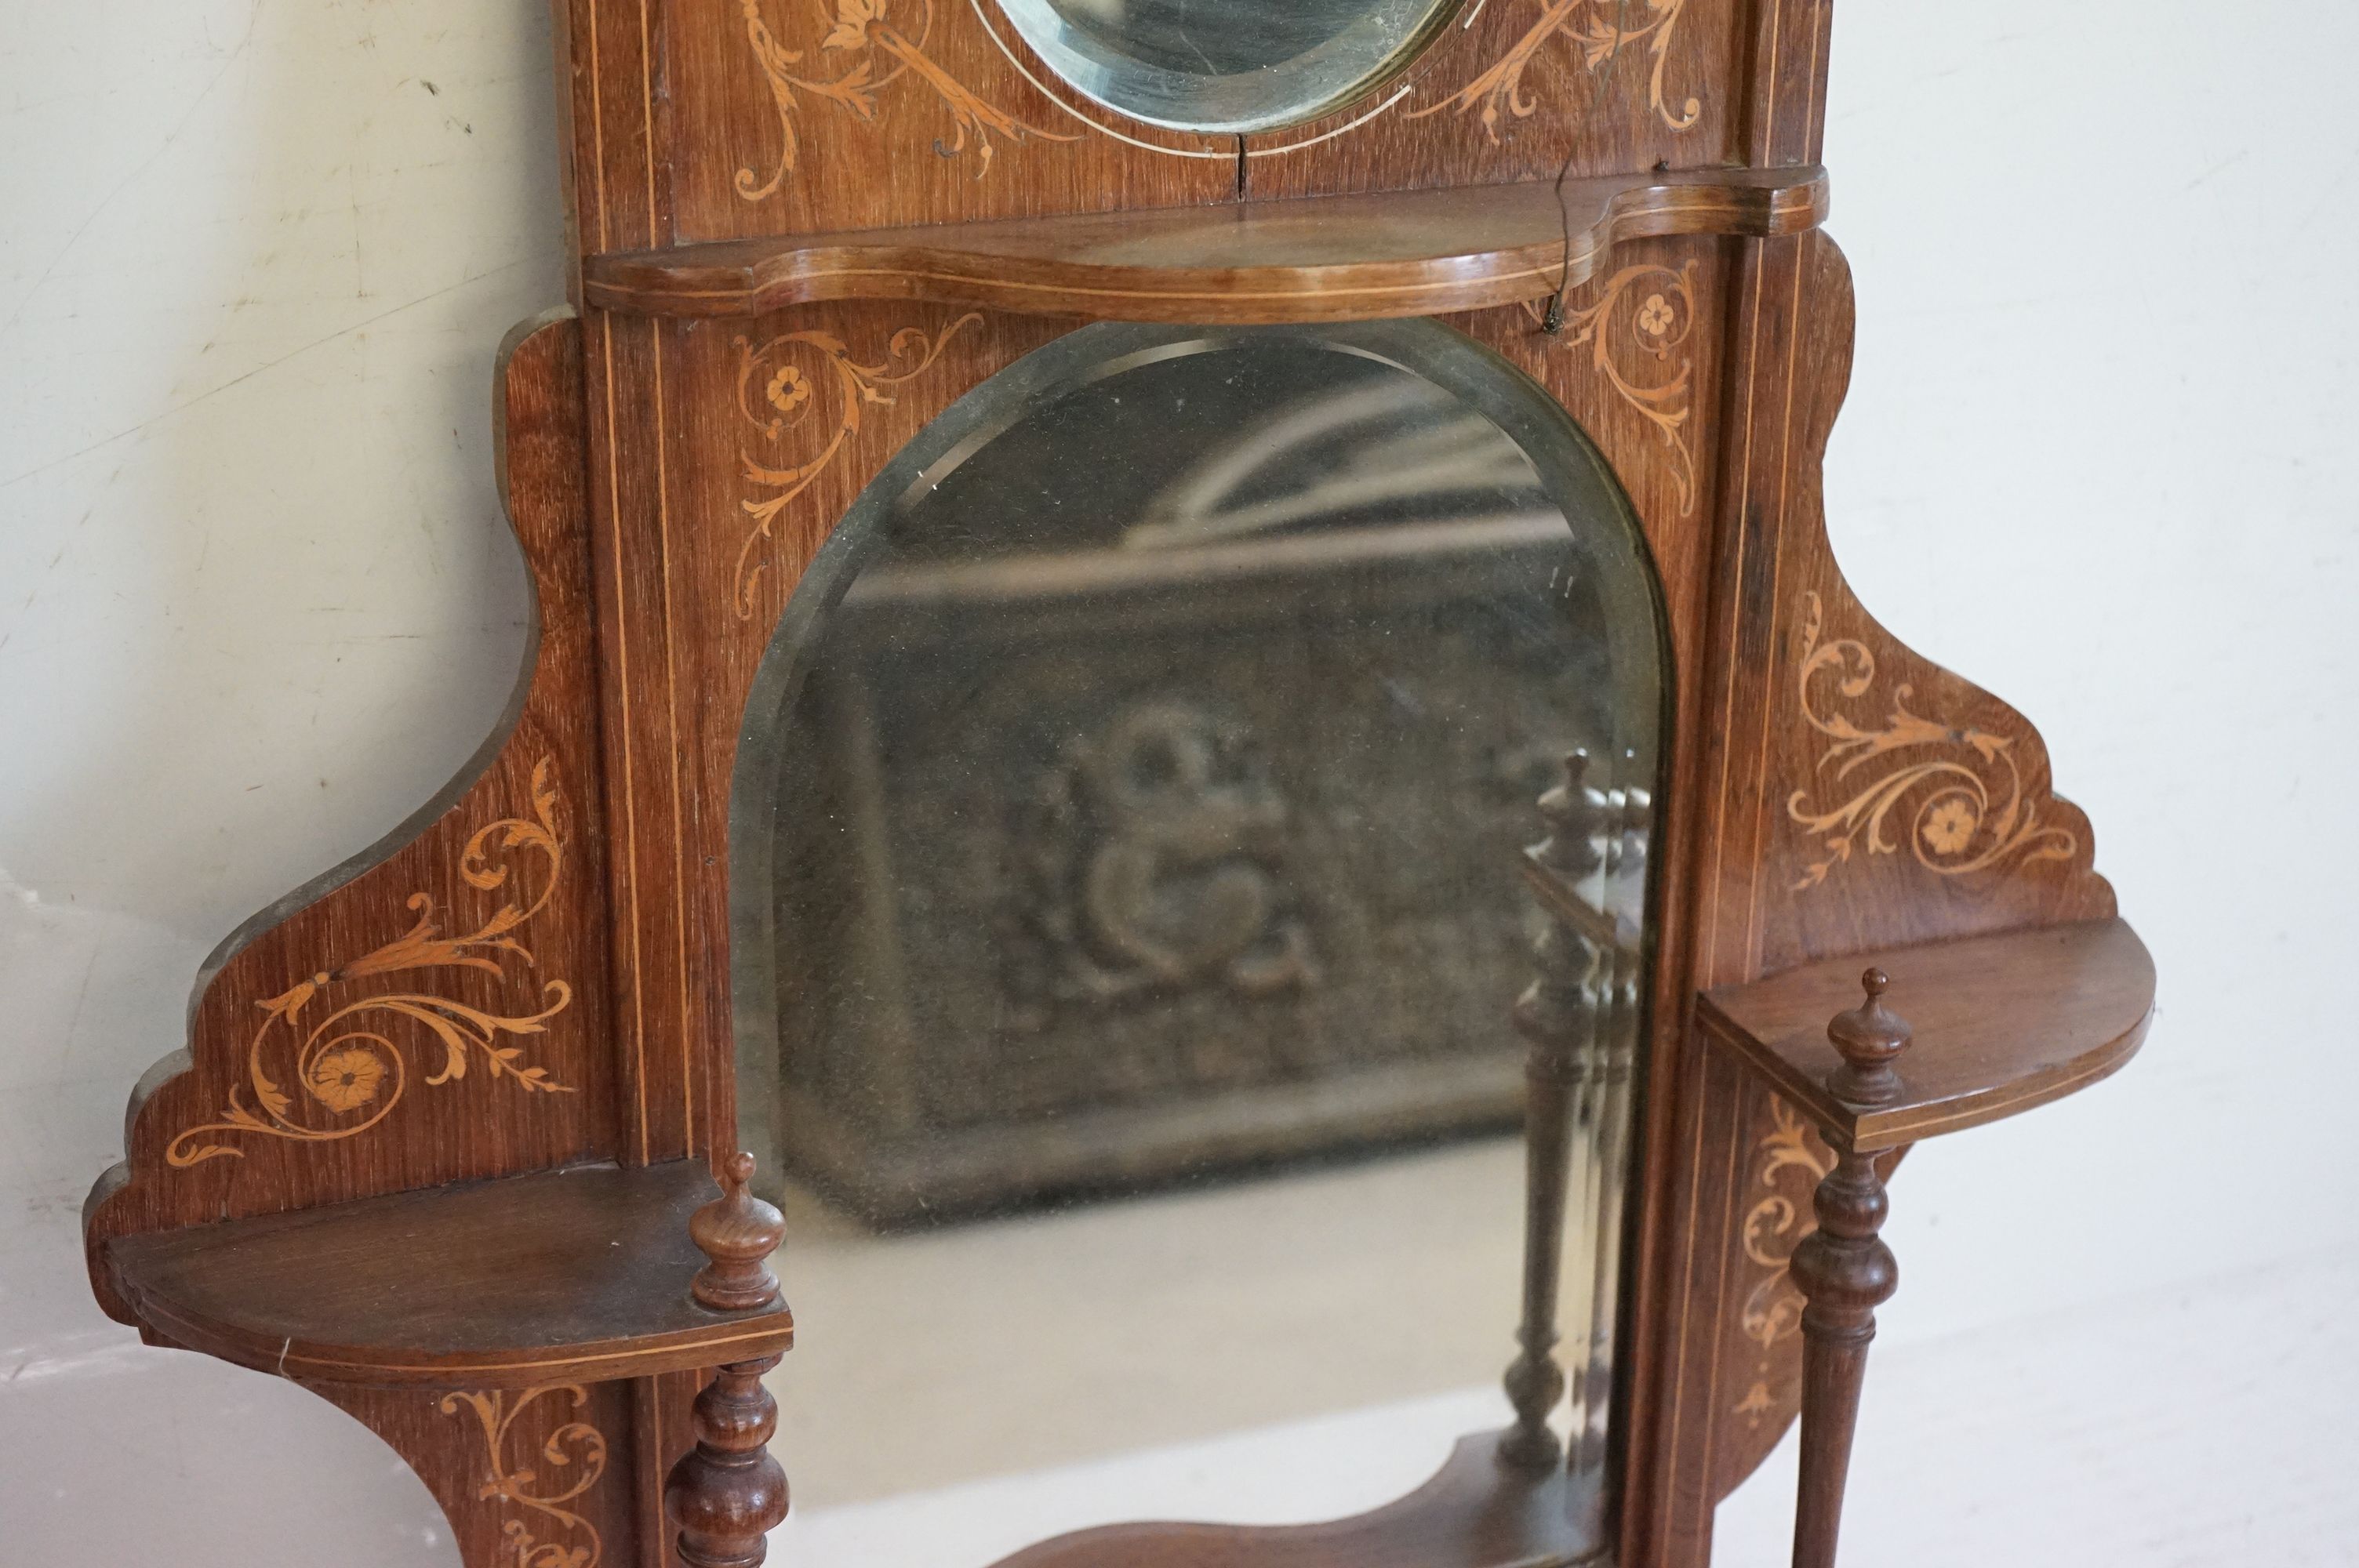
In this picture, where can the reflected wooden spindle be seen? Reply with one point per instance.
(1844, 1272)
(1575, 814)
(1615, 1059)
(727, 1493)
(1555, 1015)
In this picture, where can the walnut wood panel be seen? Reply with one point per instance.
(1523, 89)
(2002, 1024)
(578, 1275)
(1783, 80)
(663, 1419)
(725, 119)
(435, 1009)
(610, 63)
(1836, 815)
(1475, 1513)
(802, 116)
(1333, 259)
(533, 1477)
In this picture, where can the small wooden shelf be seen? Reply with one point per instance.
(579, 1275)
(1417, 252)
(2002, 1024)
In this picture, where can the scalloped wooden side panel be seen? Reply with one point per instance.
(437, 1009)
(1854, 796)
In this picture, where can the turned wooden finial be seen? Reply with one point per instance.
(1871, 1037)
(1574, 814)
(738, 1231)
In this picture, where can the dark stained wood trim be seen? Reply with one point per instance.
(1318, 259)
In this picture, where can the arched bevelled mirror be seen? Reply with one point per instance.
(1132, 905)
(1226, 67)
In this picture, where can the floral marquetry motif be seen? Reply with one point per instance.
(535, 1490)
(1648, 309)
(861, 63)
(1956, 790)
(342, 1062)
(1774, 1225)
(866, 50)
(777, 392)
(1601, 31)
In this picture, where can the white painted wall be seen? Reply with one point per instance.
(256, 602)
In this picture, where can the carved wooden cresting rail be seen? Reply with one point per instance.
(442, 1117)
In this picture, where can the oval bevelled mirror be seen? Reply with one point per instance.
(1132, 903)
(1226, 67)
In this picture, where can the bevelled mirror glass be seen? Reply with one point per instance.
(1133, 895)
(1227, 67)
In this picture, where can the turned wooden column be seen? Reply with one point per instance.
(1557, 1017)
(1844, 1271)
(727, 1493)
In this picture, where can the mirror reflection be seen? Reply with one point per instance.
(1132, 906)
(1225, 66)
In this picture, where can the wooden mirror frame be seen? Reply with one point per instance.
(501, 1040)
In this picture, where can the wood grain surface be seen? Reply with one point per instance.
(731, 119)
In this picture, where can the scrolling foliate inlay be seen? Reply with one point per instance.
(506, 1481)
(861, 53)
(787, 369)
(1600, 30)
(1660, 306)
(343, 1068)
(1774, 1227)
(1967, 807)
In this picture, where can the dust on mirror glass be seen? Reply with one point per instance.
(1132, 910)
(1227, 67)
